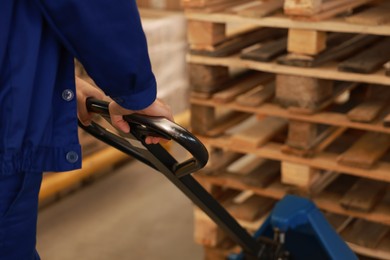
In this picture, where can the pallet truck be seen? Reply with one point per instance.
(295, 228)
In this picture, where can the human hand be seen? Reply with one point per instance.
(85, 90)
(157, 108)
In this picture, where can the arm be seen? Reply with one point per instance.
(107, 38)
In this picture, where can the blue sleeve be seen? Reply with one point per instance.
(108, 39)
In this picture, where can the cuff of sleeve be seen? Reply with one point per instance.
(138, 101)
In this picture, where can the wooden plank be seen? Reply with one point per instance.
(367, 111)
(241, 85)
(256, 133)
(225, 122)
(335, 7)
(257, 96)
(245, 165)
(340, 46)
(266, 51)
(236, 43)
(220, 160)
(325, 72)
(259, 8)
(369, 60)
(251, 209)
(365, 233)
(364, 195)
(376, 15)
(282, 21)
(366, 151)
(302, 7)
(309, 42)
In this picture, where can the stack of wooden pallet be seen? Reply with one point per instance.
(294, 100)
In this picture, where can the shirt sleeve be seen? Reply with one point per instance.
(108, 39)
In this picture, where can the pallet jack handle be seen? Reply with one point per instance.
(157, 157)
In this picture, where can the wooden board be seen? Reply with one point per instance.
(266, 51)
(235, 44)
(251, 209)
(245, 165)
(367, 111)
(225, 122)
(365, 233)
(299, 175)
(243, 84)
(302, 7)
(369, 60)
(366, 151)
(332, 8)
(257, 96)
(339, 46)
(376, 15)
(256, 133)
(364, 195)
(258, 8)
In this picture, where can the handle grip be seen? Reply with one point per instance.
(142, 126)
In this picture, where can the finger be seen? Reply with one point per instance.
(120, 123)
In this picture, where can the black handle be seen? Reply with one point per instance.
(178, 173)
(142, 126)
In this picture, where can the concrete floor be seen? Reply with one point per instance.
(134, 213)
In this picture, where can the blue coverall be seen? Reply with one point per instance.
(39, 40)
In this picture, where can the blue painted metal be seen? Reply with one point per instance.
(308, 235)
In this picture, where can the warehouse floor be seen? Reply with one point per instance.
(133, 213)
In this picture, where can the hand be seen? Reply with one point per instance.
(85, 90)
(157, 108)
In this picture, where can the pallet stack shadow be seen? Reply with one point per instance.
(293, 97)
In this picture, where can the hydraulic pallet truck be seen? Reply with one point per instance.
(295, 229)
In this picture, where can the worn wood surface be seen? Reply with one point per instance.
(298, 174)
(303, 92)
(366, 151)
(376, 15)
(367, 111)
(208, 79)
(254, 133)
(339, 46)
(203, 34)
(258, 8)
(365, 233)
(236, 43)
(368, 60)
(246, 82)
(257, 96)
(266, 51)
(364, 195)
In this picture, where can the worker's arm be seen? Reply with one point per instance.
(107, 38)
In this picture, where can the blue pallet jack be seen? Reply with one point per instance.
(295, 229)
